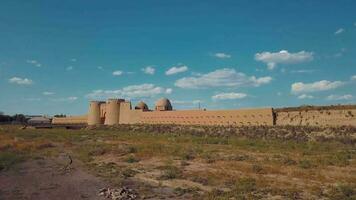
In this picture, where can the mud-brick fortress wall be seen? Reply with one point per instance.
(119, 111)
(70, 120)
(317, 116)
(245, 117)
(124, 114)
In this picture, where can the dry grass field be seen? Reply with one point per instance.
(166, 162)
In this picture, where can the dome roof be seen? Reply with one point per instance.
(163, 104)
(141, 106)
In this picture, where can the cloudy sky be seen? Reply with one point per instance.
(57, 55)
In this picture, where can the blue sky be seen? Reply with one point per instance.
(55, 55)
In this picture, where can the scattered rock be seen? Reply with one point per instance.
(118, 193)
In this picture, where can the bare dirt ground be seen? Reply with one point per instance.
(35, 164)
(56, 179)
(44, 179)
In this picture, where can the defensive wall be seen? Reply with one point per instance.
(119, 111)
(243, 117)
(72, 120)
(343, 115)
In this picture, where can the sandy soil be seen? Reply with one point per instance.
(44, 179)
(52, 178)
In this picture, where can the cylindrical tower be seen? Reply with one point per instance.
(94, 113)
(112, 111)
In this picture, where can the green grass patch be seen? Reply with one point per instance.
(170, 172)
(341, 158)
(132, 159)
(9, 160)
(306, 164)
(342, 192)
(243, 188)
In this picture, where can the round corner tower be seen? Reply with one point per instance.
(94, 117)
(112, 111)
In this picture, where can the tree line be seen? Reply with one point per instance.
(18, 118)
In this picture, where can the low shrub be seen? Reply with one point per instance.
(44, 145)
(129, 172)
(306, 164)
(342, 192)
(132, 149)
(258, 169)
(181, 191)
(188, 155)
(340, 158)
(171, 172)
(9, 159)
(132, 159)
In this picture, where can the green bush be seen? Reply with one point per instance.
(132, 159)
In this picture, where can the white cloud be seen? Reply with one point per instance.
(46, 93)
(72, 98)
(340, 53)
(260, 81)
(149, 70)
(355, 24)
(183, 102)
(353, 78)
(73, 60)
(229, 96)
(222, 55)
(187, 104)
(34, 63)
(66, 99)
(323, 85)
(339, 97)
(117, 73)
(176, 69)
(132, 91)
(197, 101)
(31, 61)
(305, 96)
(303, 71)
(100, 68)
(69, 68)
(226, 77)
(272, 59)
(339, 31)
(20, 81)
(169, 91)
